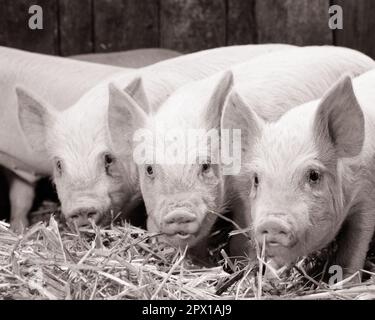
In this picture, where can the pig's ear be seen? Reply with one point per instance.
(125, 116)
(237, 115)
(339, 120)
(136, 90)
(217, 101)
(34, 116)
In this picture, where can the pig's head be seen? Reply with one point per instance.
(294, 170)
(89, 180)
(181, 197)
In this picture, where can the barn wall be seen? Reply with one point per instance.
(84, 26)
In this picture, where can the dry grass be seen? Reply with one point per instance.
(50, 261)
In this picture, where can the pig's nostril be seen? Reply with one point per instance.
(91, 215)
(84, 216)
(273, 243)
(180, 218)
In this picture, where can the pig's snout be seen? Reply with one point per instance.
(81, 217)
(181, 223)
(276, 231)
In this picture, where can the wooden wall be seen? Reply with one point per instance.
(83, 26)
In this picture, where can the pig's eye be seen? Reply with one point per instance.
(314, 176)
(150, 170)
(256, 181)
(59, 166)
(206, 167)
(108, 160)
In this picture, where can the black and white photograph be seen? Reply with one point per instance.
(192, 150)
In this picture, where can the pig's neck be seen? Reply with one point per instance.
(355, 182)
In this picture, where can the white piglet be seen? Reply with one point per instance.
(182, 197)
(61, 82)
(311, 174)
(74, 143)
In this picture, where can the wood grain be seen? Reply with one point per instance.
(241, 23)
(15, 31)
(76, 26)
(359, 26)
(192, 25)
(302, 22)
(125, 24)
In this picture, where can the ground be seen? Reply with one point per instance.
(51, 261)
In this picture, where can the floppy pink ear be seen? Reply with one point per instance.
(125, 117)
(340, 121)
(34, 116)
(215, 106)
(237, 115)
(136, 90)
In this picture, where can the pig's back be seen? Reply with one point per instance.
(271, 84)
(163, 78)
(57, 80)
(274, 83)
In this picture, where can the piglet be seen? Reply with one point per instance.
(310, 175)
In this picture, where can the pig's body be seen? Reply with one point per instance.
(78, 136)
(60, 82)
(179, 201)
(339, 198)
(291, 81)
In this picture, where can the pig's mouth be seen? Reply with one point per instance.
(183, 235)
(182, 239)
(280, 255)
(275, 249)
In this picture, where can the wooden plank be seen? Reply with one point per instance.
(241, 23)
(125, 24)
(15, 31)
(191, 25)
(302, 22)
(359, 25)
(75, 26)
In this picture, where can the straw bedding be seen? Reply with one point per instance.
(52, 261)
